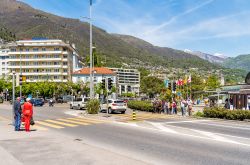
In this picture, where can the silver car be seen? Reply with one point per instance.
(114, 106)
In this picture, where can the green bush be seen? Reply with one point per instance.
(93, 106)
(199, 114)
(141, 105)
(222, 113)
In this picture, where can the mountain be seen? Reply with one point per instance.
(24, 22)
(239, 62)
(211, 58)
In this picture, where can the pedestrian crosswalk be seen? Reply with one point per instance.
(143, 116)
(65, 123)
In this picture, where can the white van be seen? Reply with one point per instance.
(79, 103)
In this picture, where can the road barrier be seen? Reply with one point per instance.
(134, 115)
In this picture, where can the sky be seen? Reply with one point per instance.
(210, 26)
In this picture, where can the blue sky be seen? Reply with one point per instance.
(211, 26)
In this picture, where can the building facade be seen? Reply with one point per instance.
(4, 61)
(100, 73)
(43, 60)
(128, 80)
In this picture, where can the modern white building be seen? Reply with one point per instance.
(128, 80)
(44, 60)
(100, 73)
(4, 61)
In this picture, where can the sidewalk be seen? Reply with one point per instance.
(52, 148)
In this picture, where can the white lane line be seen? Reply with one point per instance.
(214, 136)
(226, 126)
(185, 121)
(161, 127)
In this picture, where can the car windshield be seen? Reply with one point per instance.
(119, 101)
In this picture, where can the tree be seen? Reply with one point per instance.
(151, 86)
(212, 82)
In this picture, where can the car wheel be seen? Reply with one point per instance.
(122, 112)
(70, 106)
(79, 107)
(109, 110)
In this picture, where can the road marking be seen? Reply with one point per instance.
(74, 122)
(49, 125)
(86, 120)
(161, 127)
(39, 128)
(185, 121)
(226, 126)
(61, 123)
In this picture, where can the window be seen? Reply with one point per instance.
(64, 77)
(13, 50)
(56, 77)
(43, 49)
(27, 49)
(65, 63)
(56, 63)
(21, 49)
(56, 56)
(36, 56)
(56, 70)
(65, 56)
(65, 70)
(35, 63)
(35, 49)
(56, 49)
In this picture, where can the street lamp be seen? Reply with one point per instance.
(20, 45)
(91, 86)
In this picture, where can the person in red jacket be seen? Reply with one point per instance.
(27, 113)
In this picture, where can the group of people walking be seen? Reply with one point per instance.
(23, 113)
(170, 108)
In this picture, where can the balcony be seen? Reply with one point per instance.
(38, 52)
(44, 73)
(35, 59)
(34, 66)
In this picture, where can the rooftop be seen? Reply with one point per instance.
(97, 70)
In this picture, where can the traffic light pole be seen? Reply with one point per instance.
(106, 88)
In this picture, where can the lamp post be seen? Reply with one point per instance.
(90, 51)
(20, 45)
(13, 95)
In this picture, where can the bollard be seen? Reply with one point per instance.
(134, 115)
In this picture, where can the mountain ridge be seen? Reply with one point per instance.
(27, 22)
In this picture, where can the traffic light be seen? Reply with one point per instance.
(174, 86)
(110, 84)
(103, 84)
(169, 86)
(20, 79)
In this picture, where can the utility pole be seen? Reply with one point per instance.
(13, 95)
(90, 52)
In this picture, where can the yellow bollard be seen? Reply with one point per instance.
(134, 115)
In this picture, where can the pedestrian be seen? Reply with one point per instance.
(27, 113)
(166, 106)
(189, 106)
(174, 107)
(183, 111)
(18, 113)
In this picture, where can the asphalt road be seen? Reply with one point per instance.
(162, 141)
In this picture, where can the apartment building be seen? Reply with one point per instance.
(4, 61)
(43, 60)
(128, 80)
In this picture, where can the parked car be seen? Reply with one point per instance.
(37, 102)
(114, 106)
(79, 103)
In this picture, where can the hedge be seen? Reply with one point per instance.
(141, 105)
(226, 114)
